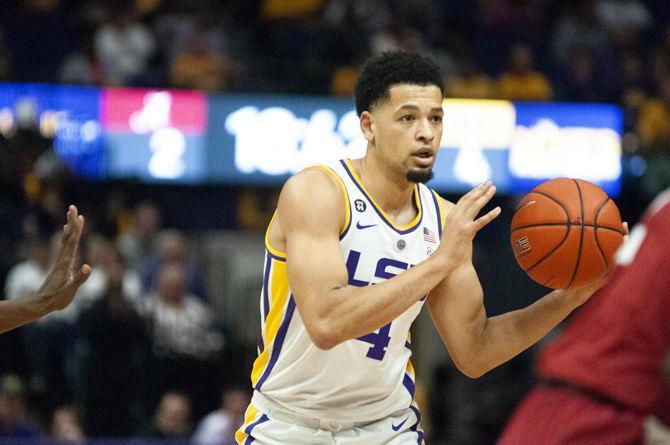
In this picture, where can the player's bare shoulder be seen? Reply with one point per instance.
(310, 189)
(310, 199)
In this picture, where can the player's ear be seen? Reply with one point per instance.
(367, 121)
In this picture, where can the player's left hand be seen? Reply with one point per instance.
(582, 294)
(625, 231)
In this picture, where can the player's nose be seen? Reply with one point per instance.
(425, 132)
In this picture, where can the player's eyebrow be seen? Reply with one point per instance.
(416, 107)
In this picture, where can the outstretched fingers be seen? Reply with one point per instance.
(476, 193)
(68, 228)
(80, 277)
(79, 231)
(474, 201)
(488, 193)
(482, 221)
(626, 232)
(71, 235)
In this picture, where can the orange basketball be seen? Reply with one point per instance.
(565, 232)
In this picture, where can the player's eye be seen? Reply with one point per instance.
(436, 119)
(407, 118)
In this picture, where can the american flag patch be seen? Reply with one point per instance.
(429, 235)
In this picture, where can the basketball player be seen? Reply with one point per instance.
(354, 250)
(59, 286)
(604, 374)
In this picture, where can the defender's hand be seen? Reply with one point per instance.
(62, 283)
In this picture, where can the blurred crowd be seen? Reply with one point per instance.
(140, 334)
(614, 51)
(143, 350)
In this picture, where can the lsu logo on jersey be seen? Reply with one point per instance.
(379, 340)
(381, 270)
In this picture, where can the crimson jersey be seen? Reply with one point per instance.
(616, 344)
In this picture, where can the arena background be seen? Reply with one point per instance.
(164, 230)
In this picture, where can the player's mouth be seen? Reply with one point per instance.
(424, 157)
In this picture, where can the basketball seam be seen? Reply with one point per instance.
(595, 233)
(595, 226)
(567, 232)
(581, 234)
(547, 195)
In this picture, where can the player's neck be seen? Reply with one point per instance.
(393, 192)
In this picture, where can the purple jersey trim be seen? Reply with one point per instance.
(248, 429)
(439, 213)
(415, 427)
(409, 384)
(279, 341)
(381, 215)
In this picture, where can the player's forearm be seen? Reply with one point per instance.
(15, 313)
(504, 336)
(355, 311)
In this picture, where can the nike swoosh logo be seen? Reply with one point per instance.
(360, 226)
(397, 427)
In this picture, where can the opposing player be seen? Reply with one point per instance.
(59, 286)
(603, 378)
(354, 250)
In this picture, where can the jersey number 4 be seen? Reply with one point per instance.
(379, 341)
(386, 268)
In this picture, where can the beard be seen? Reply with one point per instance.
(420, 176)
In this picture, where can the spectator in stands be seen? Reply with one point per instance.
(399, 36)
(117, 217)
(584, 80)
(137, 245)
(114, 354)
(521, 81)
(218, 427)
(367, 16)
(27, 276)
(345, 30)
(471, 83)
(187, 345)
(124, 46)
(103, 255)
(198, 67)
(177, 27)
(504, 22)
(634, 79)
(343, 80)
(181, 323)
(172, 248)
(654, 120)
(66, 426)
(49, 341)
(172, 420)
(13, 420)
(83, 67)
(579, 27)
(624, 16)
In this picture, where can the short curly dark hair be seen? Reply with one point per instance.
(392, 68)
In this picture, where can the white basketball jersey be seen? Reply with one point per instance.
(358, 380)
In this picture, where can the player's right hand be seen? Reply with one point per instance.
(461, 223)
